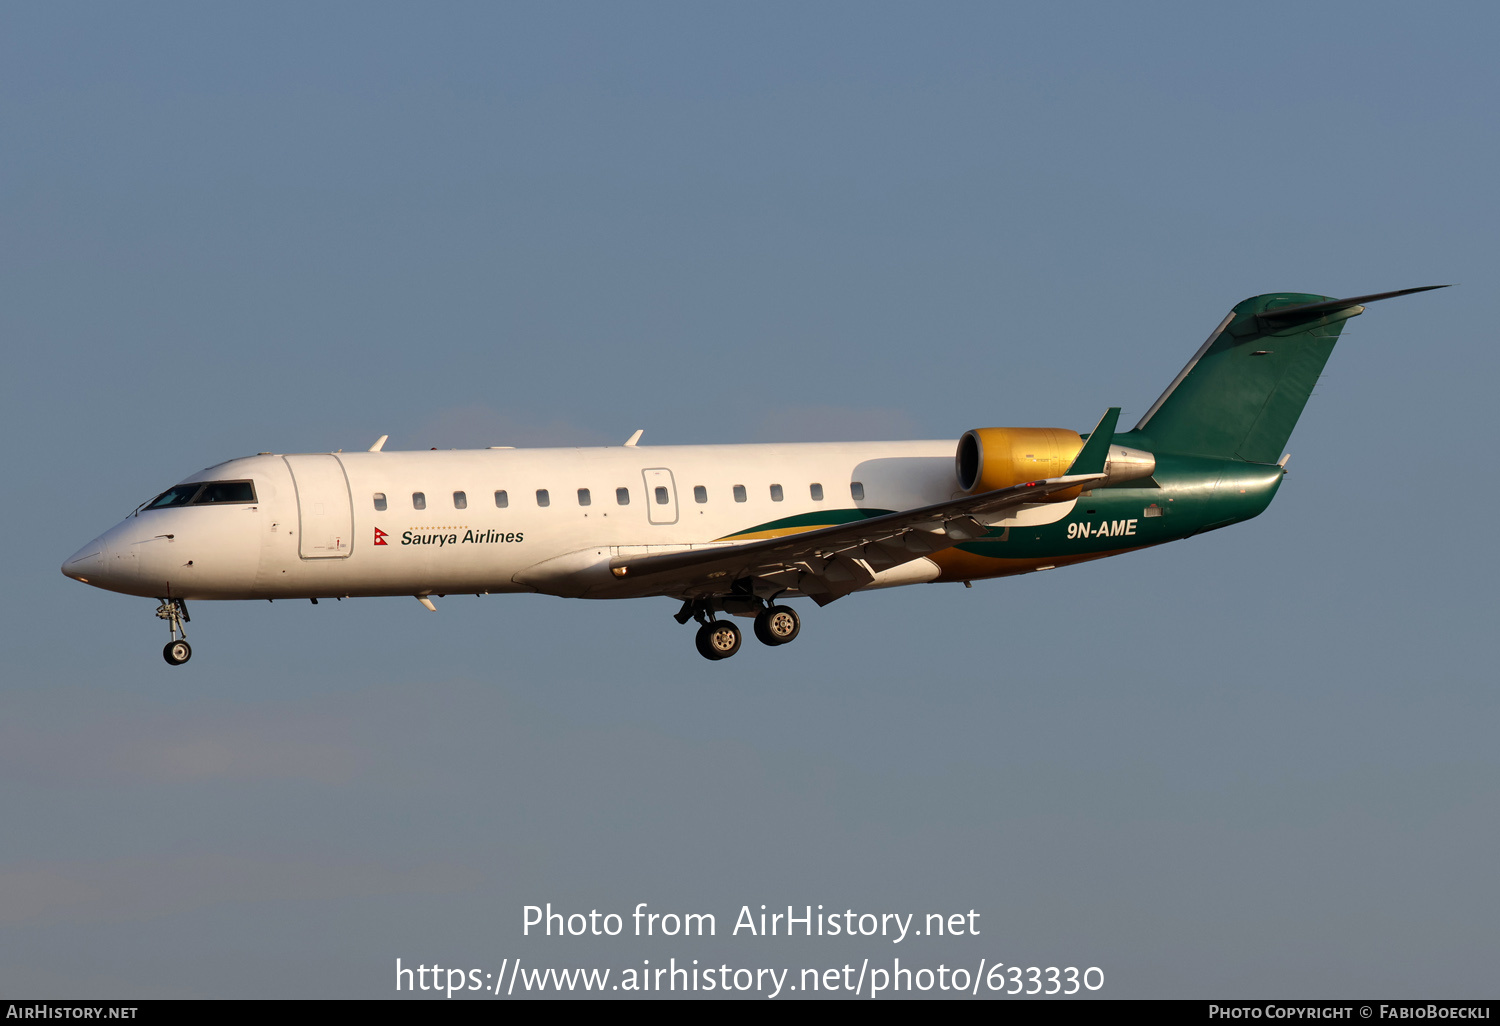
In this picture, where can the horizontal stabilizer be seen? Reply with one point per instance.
(1286, 316)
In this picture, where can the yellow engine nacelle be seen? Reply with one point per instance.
(991, 458)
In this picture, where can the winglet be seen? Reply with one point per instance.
(635, 437)
(379, 442)
(1091, 458)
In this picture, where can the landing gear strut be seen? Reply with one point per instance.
(174, 611)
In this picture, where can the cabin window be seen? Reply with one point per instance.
(542, 498)
(622, 496)
(380, 502)
(460, 500)
(583, 497)
(816, 491)
(856, 490)
(418, 500)
(776, 493)
(226, 491)
(501, 499)
(662, 498)
(700, 494)
(739, 493)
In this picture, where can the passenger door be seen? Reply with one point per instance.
(325, 512)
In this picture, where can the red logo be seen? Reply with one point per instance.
(379, 537)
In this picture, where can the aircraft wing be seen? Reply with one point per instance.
(830, 562)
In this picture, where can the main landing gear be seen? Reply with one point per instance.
(174, 611)
(719, 639)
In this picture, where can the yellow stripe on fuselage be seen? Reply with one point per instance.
(775, 532)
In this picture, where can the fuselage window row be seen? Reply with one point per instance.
(243, 491)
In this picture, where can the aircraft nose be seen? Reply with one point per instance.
(86, 562)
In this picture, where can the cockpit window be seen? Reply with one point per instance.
(226, 491)
(179, 496)
(200, 493)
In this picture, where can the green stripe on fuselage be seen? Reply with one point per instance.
(810, 521)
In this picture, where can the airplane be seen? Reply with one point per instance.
(736, 529)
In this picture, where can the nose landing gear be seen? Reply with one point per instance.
(174, 611)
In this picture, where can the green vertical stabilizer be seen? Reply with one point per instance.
(1241, 395)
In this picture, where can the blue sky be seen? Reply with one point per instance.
(1256, 763)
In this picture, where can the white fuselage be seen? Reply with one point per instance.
(498, 520)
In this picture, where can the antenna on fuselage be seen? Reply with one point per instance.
(378, 443)
(635, 437)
